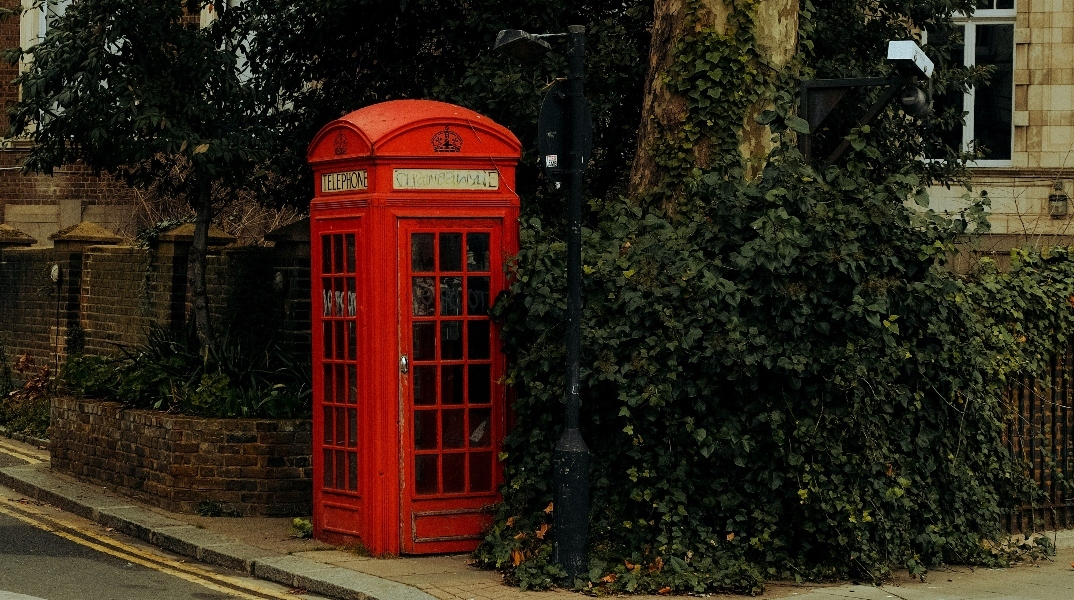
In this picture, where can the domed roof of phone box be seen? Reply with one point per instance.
(413, 128)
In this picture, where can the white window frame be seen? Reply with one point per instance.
(984, 16)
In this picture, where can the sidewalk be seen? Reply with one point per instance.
(263, 547)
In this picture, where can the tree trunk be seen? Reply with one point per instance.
(198, 251)
(664, 112)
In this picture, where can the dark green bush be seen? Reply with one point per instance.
(781, 381)
(236, 377)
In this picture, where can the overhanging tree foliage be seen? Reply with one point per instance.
(140, 91)
(324, 58)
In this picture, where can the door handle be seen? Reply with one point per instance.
(404, 364)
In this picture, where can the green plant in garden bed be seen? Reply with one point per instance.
(25, 393)
(236, 377)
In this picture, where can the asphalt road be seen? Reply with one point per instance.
(41, 564)
(47, 554)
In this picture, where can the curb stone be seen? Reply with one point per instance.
(188, 540)
(22, 437)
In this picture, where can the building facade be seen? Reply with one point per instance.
(1023, 120)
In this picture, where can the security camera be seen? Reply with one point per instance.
(909, 58)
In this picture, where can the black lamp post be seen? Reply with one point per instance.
(571, 459)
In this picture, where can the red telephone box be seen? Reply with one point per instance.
(413, 216)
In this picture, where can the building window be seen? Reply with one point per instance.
(988, 40)
(37, 17)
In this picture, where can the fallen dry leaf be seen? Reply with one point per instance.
(656, 565)
(543, 529)
(609, 578)
(730, 536)
(517, 557)
(665, 590)
(548, 509)
(511, 521)
(520, 535)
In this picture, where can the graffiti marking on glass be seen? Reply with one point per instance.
(345, 181)
(445, 179)
(451, 296)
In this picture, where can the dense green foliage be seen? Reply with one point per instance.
(238, 377)
(365, 51)
(780, 378)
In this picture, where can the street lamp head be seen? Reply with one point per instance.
(521, 45)
(915, 102)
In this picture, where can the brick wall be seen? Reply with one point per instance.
(114, 293)
(253, 467)
(30, 305)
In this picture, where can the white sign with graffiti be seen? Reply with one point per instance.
(445, 179)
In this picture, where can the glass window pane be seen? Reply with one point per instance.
(327, 463)
(328, 427)
(454, 428)
(480, 427)
(425, 430)
(337, 253)
(424, 341)
(326, 254)
(341, 386)
(425, 474)
(341, 427)
(451, 296)
(422, 252)
(477, 252)
(349, 243)
(454, 473)
(451, 340)
(480, 384)
(352, 471)
(423, 291)
(352, 340)
(477, 295)
(425, 385)
(341, 469)
(328, 384)
(337, 310)
(450, 251)
(352, 427)
(352, 384)
(339, 340)
(986, 4)
(480, 471)
(1005, 4)
(993, 102)
(352, 298)
(326, 297)
(327, 330)
(451, 384)
(480, 337)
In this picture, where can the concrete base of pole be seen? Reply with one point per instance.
(571, 508)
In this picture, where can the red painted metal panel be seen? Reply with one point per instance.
(383, 175)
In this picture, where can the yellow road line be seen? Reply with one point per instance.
(235, 586)
(19, 453)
